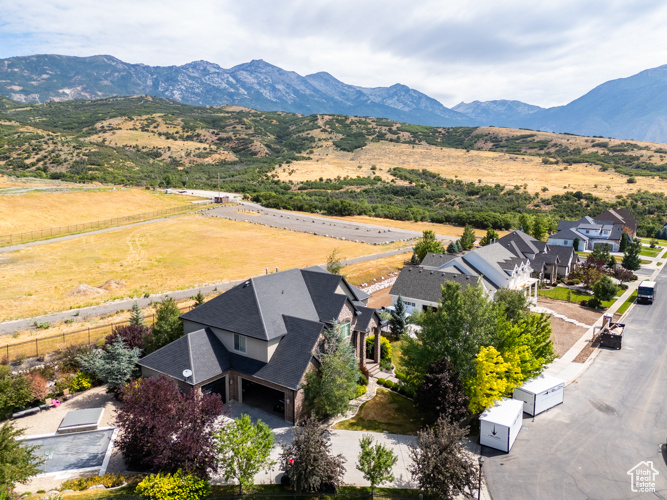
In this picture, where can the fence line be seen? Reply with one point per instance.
(54, 232)
(46, 345)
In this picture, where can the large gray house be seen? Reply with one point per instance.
(255, 343)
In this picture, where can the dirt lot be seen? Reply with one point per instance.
(571, 310)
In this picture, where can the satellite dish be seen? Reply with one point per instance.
(187, 373)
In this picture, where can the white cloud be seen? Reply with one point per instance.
(545, 53)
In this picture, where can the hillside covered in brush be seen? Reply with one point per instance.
(334, 164)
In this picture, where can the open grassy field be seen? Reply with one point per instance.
(178, 253)
(489, 167)
(42, 210)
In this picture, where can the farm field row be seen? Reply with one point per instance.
(42, 210)
(178, 253)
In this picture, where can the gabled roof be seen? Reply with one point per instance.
(256, 307)
(436, 259)
(426, 284)
(206, 356)
(522, 242)
(568, 234)
(565, 254)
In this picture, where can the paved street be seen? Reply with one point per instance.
(614, 416)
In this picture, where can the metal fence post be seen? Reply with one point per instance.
(36, 348)
(88, 335)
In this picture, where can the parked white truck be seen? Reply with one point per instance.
(646, 292)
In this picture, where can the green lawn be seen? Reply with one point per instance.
(650, 252)
(387, 411)
(396, 347)
(561, 293)
(644, 261)
(627, 303)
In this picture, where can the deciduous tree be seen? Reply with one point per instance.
(15, 391)
(375, 462)
(440, 465)
(441, 393)
(163, 429)
(490, 236)
(605, 289)
(490, 382)
(243, 449)
(335, 261)
(309, 463)
(133, 335)
(513, 302)
(428, 244)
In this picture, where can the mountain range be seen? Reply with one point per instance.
(628, 108)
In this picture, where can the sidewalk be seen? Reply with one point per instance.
(564, 367)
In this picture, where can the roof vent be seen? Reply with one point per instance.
(246, 283)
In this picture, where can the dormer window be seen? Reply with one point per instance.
(345, 329)
(239, 343)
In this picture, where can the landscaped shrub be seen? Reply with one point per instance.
(381, 381)
(83, 483)
(80, 382)
(386, 365)
(385, 347)
(176, 486)
(363, 380)
(364, 371)
(67, 359)
(361, 390)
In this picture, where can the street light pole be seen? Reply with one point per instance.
(479, 488)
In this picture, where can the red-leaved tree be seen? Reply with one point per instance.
(164, 430)
(132, 335)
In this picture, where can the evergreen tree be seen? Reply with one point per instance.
(199, 299)
(631, 259)
(467, 240)
(539, 229)
(136, 316)
(113, 365)
(605, 289)
(18, 462)
(168, 325)
(625, 239)
(398, 321)
(451, 248)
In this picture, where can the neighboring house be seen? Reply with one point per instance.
(493, 266)
(621, 217)
(548, 261)
(589, 233)
(255, 343)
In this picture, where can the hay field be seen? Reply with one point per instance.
(42, 210)
(492, 168)
(177, 253)
(7, 182)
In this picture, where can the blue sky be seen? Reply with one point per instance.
(545, 53)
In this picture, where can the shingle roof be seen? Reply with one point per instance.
(426, 284)
(564, 254)
(364, 317)
(206, 356)
(436, 259)
(568, 234)
(523, 242)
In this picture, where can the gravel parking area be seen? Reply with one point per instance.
(322, 226)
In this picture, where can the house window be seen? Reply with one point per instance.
(239, 342)
(345, 329)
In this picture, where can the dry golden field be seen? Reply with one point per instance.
(492, 168)
(41, 210)
(442, 229)
(174, 254)
(365, 272)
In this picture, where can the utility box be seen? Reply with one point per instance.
(500, 425)
(540, 393)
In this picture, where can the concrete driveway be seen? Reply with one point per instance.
(343, 442)
(613, 418)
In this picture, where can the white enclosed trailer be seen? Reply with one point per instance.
(540, 393)
(500, 425)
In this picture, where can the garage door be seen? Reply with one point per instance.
(263, 397)
(217, 387)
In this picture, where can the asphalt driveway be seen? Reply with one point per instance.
(614, 417)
